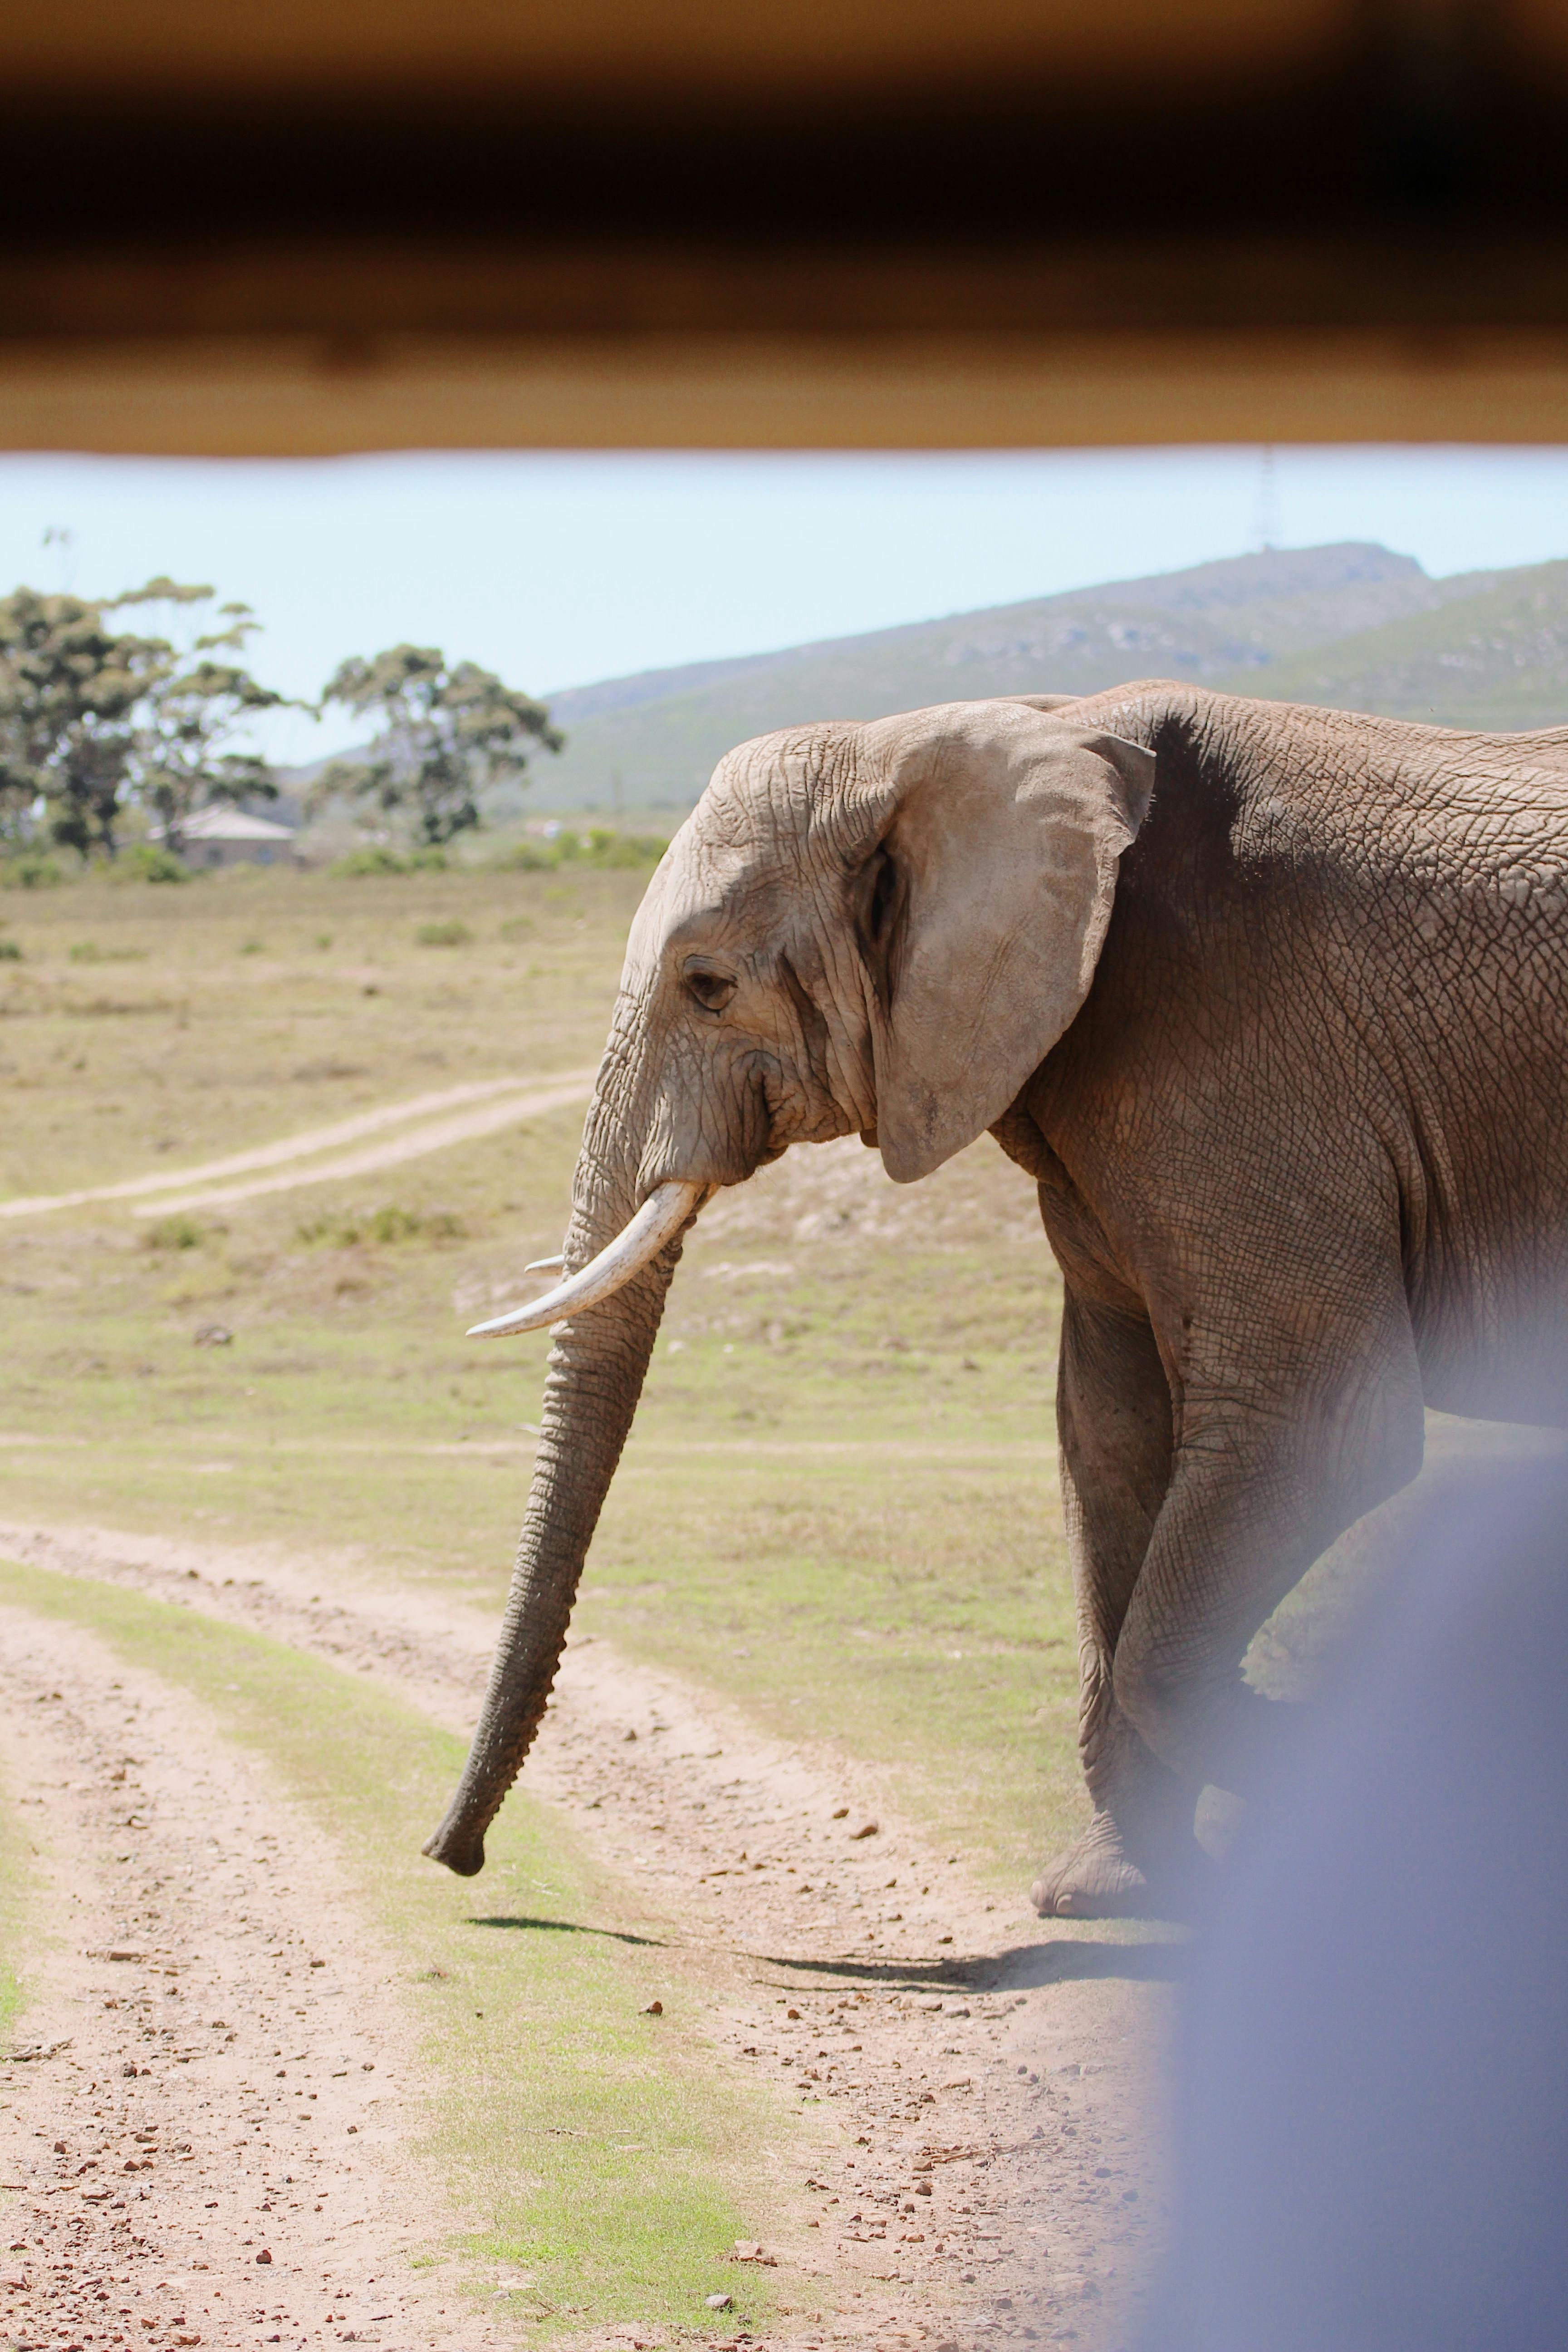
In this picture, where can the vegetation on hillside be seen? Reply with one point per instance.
(1496, 660)
(1353, 626)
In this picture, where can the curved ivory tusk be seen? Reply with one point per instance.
(661, 1215)
(545, 1264)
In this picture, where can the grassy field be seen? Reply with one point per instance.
(617, 2159)
(839, 1504)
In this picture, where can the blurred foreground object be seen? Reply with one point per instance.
(593, 222)
(1374, 2069)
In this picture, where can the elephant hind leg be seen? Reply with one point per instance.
(1255, 1497)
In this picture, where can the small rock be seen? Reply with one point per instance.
(654, 2008)
(631, 1735)
(213, 1335)
(264, 2255)
(867, 1830)
(718, 2302)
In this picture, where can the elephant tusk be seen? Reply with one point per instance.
(545, 1264)
(662, 1214)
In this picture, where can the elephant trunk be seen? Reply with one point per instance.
(596, 1371)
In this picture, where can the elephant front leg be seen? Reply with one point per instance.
(1113, 1414)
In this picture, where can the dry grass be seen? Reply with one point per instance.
(840, 1500)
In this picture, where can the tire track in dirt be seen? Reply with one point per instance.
(203, 2131)
(519, 1097)
(990, 2086)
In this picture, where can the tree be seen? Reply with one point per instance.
(69, 686)
(448, 733)
(92, 719)
(196, 710)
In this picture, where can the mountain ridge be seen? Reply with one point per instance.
(1352, 624)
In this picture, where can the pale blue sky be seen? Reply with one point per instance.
(555, 569)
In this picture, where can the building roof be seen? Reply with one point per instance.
(230, 825)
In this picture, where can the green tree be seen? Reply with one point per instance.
(446, 733)
(93, 718)
(69, 687)
(185, 757)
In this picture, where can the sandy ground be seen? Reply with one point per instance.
(990, 2084)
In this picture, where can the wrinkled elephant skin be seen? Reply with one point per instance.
(1270, 1003)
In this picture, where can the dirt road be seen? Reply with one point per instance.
(429, 1122)
(205, 2120)
(992, 2082)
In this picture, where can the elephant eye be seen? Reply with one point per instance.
(709, 989)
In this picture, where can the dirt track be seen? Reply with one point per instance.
(206, 2134)
(482, 1107)
(997, 2175)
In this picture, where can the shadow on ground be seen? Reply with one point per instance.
(1062, 1960)
(564, 1927)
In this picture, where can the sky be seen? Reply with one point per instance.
(555, 569)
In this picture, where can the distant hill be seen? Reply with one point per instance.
(1494, 657)
(1356, 625)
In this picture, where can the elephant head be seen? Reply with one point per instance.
(879, 928)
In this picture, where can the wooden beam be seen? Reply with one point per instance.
(316, 395)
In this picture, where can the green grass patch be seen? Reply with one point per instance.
(615, 2159)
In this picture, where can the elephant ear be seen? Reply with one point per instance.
(985, 907)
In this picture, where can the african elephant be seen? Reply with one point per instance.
(1268, 1001)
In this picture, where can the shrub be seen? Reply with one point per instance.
(376, 860)
(346, 1229)
(10, 951)
(360, 861)
(598, 847)
(443, 935)
(629, 849)
(89, 951)
(174, 1233)
(31, 870)
(149, 861)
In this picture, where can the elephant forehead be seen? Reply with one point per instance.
(701, 890)
(747, 848)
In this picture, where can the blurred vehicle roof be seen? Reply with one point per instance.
(327, 223)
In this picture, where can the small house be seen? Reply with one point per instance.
(226, 837)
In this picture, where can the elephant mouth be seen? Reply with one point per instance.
(660, 1219)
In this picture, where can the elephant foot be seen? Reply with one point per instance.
(1097, 1879)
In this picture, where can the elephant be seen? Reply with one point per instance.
(1270, 1003)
